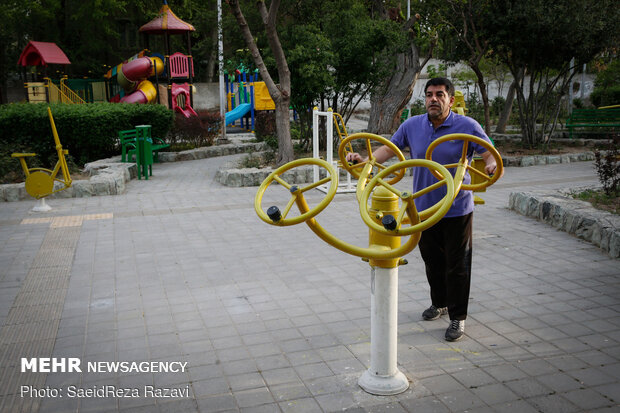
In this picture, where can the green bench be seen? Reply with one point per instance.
(128, 138)
(593, 121)
(137, 145)
(404, 115)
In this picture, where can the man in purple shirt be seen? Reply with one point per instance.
(446, 246)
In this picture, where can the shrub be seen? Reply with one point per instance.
(605, 96)
(265, 124)
(89, 131)
(195, 132)
(608, 169)
(417, 108)
(606, 86)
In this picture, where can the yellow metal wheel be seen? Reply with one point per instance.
(39, 184)
(274, 215)
(483, 179)
(437, 211)
(355, 170)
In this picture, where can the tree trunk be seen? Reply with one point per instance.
(388, 103)
(283, 130)
(507, 110)
(211, 63)
(280, 93)
(485, 97)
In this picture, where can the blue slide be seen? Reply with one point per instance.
(237, 113)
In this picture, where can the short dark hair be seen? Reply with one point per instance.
(440, 81)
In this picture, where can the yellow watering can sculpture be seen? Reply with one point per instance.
(40, 181)
(388, 222)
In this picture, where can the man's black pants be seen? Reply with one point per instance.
(446, 250)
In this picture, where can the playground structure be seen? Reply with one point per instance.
(177, 69)
(392, 215)
(45, 54)
(40, 181)
(244, 96)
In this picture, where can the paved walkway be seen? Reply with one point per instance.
(180, 270)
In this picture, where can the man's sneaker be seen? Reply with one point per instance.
(433, 313)
(456, 330)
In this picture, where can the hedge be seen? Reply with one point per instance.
(89, 131)
(606, 96)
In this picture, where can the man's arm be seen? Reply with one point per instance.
(381, 155)
(491, 165)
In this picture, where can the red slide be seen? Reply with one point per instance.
(132, 77)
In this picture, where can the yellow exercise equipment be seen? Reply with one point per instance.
(274, 215)
(482, 180)
(459, 103)
(40, 181)
(387, 223)
(356, 169)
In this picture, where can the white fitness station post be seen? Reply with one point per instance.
(347, 187)
(383, 377)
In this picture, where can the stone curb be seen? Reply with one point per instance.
(547, 159)
(211, 152)
(109, 176)
(228, 175)
(231, 176)
(573, 216)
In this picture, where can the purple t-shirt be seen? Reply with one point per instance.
(417, 133)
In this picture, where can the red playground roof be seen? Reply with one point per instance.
(42, 54)
(168, 22)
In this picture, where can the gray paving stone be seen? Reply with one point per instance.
(176, 274)
(253, 398)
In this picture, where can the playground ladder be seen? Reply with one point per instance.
(63, 94)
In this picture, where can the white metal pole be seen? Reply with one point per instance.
(330, 136)
(220, 47)
(41, 206)
(383, 377)
(315, 142)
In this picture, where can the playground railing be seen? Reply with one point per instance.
(75, 98)
(179, 66)
(56, 94)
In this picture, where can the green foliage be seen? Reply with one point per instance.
(540, 38)
(544, 34)
(265, 125)
(308, 56)
(607, 166)
(88, 131)
(606, 97)
(336, 51)
(607, 86)
(497, 105)
(417, 107)
(600, 200)
(194, 132)
(439, 71)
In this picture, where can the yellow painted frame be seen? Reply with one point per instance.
(40, 181)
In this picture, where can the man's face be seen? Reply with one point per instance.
(438, 102)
